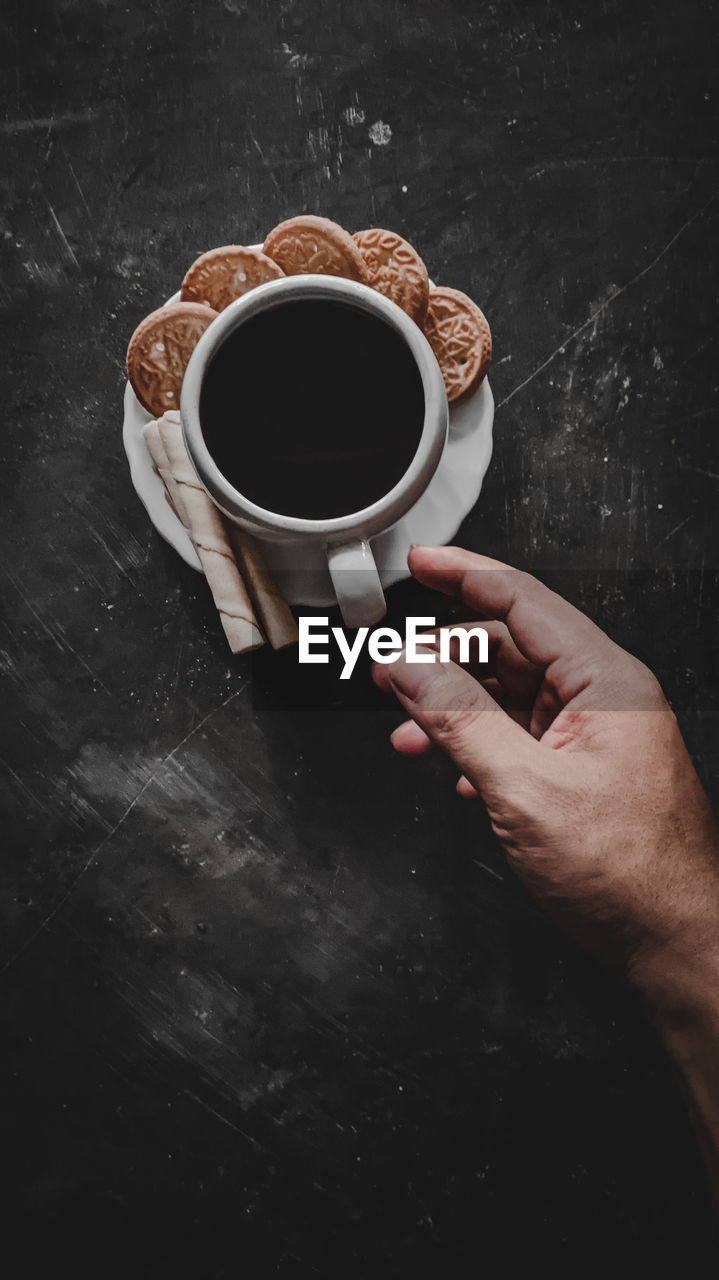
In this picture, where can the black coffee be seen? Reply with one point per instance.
(313, 409)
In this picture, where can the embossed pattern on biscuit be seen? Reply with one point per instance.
(221, 275)
(310, 245)
(160, 350)
(460, 337)
(395, 269)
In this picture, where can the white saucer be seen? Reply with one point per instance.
(301, 572)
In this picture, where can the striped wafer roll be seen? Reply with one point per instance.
(204, 525)
(156, 450)
(275, 614)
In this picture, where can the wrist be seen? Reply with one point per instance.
(679, 980)
(681, 986)
(676, 964)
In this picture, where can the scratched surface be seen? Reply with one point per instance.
(269, 993)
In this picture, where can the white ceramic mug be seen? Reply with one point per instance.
(346, 538)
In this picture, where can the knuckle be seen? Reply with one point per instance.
(457, 718)
(644, 684)
(517, 583)
(523, 581)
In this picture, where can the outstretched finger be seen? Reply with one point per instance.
(459, 715)
(544, 627)
(504, 660)
(513, 681)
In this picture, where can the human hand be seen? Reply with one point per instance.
(572, 746)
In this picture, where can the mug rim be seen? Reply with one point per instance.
(398, 500)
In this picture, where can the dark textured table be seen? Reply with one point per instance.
(270, 995)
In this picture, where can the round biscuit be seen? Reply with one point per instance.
(221, 275)
(312, 245)
(159, 352)
(395, 269)
(459, 335)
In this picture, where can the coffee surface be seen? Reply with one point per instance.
(314, 409)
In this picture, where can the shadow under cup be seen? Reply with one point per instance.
(312, 408)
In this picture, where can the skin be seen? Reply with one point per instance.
(573, 748)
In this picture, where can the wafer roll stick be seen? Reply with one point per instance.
(156, 449)
(274, 612)
(204, 525)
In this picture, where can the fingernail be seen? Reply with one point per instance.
(413, 679)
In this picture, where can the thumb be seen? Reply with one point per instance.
(460, 716)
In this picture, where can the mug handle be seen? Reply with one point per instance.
(356, 582)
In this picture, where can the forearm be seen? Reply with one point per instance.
(682, 992)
